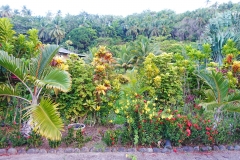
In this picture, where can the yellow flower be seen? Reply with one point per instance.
(63, 67)
(97, 108)
(110, 121)
(101, 89)
(117, 111)
(100, 68)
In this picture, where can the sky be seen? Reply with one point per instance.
(106, 7)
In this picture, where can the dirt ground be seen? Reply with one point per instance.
(226, 155)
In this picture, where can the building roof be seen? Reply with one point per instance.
(65, 51)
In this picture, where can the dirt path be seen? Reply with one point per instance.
(226, 155)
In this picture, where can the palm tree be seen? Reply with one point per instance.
(218, 97)
(43, 115)
(5, 11)
(57, 31)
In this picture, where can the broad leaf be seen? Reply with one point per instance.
(56, 79)
(46, 119)
(217, 83)
(14, 65)
(43, 60)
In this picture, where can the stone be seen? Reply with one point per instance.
(204, 148)
(107, 149)
(32, 151)
(22, 151)
(149, 150)
(94, 149)
(131, 150)
(179, 149)
(52, 151)
(114, 149)
(156, 150)
(165, 150)
(237, 148)
(215, 148)
(142, 150)
(12, 151)
(76, 150)
(168, 144)
(230, 148)
(84, 149)
(69, 150)
(222, 148)
(42, 151)
(3, 151)
(188, 149)
(121, 149)
(60, 150)
(196, 148)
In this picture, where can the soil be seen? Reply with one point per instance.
(93, 132)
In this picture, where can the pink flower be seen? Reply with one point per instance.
(188, 132)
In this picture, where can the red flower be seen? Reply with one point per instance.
(145, 101)
(208, 133)
(208, 129)
(188, 132)
(209, 120)
(189, 124)
(175, 150)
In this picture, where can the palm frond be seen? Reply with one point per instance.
(56, 79)
(46, 119)
(217, 83)
(14, 65)
(43, 60)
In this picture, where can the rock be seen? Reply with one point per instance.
(69, 150)
(237, 148)
(165, 150)
(107, 149)
(42, 151)
(188, 149)
(131, 150)
(204, 148)
(222, 148)
(94, 149)
(12, 151)
(60, 150)
(156, 150)
(230, 148)
(114, 149)
(3, 151)
(215, 148)
(168, 144)
(84, 149)
(32, 151)
(142, 150)
(149, 150)
(52, 151)
(196, 148)
(22, 151)
(179, 149)
(121, 149)
(76, 150)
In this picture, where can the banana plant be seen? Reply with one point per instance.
(42, 113)
(218, 97)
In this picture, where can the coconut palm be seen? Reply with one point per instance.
(5, 11)
(42, 114)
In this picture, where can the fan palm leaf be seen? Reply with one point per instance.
(46, 119)
(43, 60)
(56, 79)
(14, 65)
(217, 83)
